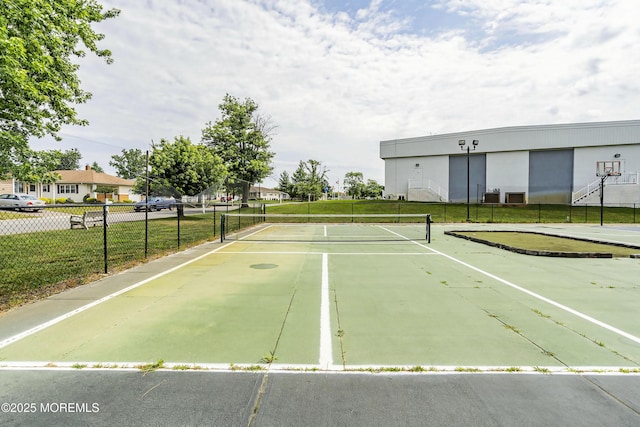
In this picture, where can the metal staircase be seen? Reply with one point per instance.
(585, 192)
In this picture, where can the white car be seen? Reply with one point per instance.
(21, 202)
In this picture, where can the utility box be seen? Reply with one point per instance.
(491, 197)
(515, 198)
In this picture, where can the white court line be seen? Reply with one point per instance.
(530, 293)
(72, 313)
(320, 253)
(326, 352)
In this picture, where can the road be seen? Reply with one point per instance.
(49, 219)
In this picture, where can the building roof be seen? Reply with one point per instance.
(89, 176)
(255, 188)
(517, 138)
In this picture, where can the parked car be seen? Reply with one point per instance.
(155, 204)
(21, 202)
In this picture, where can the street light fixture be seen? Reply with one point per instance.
(463, 144)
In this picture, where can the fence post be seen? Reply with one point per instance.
(222, 221)
(105, 209)
(178, 214)
(539, 212)
(586, 213)
(146, 230)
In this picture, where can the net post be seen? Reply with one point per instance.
(222, 221)
(428, 227)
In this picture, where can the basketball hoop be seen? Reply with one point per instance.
(608, 168)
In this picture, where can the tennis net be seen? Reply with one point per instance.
(325, 227)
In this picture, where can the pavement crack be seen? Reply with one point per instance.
(514, 329)
(273, 357)
(258, 401)
(340, 331)
(151, 389)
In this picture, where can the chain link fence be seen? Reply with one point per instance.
(66, 245)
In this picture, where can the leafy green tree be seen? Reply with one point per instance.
(354, 184)
(285, 184)
(37, 166)
(241, 137)
(38, 77)
(70, 160)
(310, 180)
(373, 189)
(130, 164)
(96, 167)
(180, 168)
(299, 181)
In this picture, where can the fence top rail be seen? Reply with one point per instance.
(270, 215)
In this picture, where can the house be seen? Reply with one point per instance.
(560, 163)
(264, 193)
(75, 185)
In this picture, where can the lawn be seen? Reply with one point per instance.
(538, 242)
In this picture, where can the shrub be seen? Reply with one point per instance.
(61, 201)
(91, 200)
(46, 200)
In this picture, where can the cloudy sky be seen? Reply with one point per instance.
(339, 76)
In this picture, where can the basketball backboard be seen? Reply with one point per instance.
(608, 168)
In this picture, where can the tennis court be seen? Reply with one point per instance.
(345, 297)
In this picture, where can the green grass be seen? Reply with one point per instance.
(543, 242)
(456, 212)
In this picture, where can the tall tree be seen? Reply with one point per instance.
(373, 189)
(180, 168)
(70, 160)
(130, 164)
(38, 166)
(96, 167)
(285, 184)
(310, 180)
(38, 78)
(354, 184)
(241, 137)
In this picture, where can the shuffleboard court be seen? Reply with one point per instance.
(359, 297)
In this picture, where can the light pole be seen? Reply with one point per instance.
(463, 145)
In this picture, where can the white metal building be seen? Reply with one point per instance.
(522, 164)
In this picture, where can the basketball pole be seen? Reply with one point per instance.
(602, 180)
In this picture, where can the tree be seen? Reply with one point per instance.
(70, 160)
(180, 168)
(130, 165)
(96, 167)
(373, 189)
(310, 180)
(38, 80)
(354, 184)
(241, 137)
(284, 183)
(37, 166)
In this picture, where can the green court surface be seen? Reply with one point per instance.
(352, 297)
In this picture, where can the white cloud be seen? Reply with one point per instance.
(337, 84)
